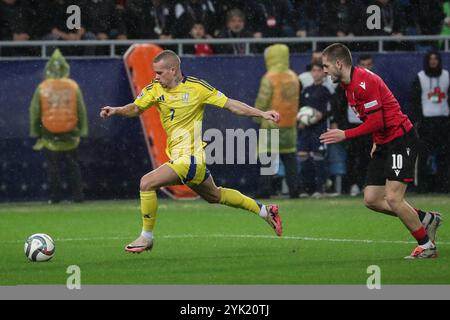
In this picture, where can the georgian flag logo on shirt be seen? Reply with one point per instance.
(370, 104)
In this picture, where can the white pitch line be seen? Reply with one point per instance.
(251, 236)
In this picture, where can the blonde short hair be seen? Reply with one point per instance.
(171, 58)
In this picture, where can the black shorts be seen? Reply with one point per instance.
(394, 160)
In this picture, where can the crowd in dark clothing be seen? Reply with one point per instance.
(169, 19)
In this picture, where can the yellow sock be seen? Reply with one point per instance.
(234, 198)
(149, 206)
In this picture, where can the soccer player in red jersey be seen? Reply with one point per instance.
(394, 150)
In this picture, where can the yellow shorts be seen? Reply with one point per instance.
(191, 169)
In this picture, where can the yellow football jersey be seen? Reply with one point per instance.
(181, 112)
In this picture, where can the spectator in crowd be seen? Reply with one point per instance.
(279, 91)
(235, 29)
(393, 23)
(366, 61)
(198, 32)
(430, 114)
(147, 19)
(14, 25)
(103, 19)
(54, 26)
(307, 17)
(341, 18)
(13, 19)
(58, 119)
(428, 16)
(410, 24)
(264, 18)
(306, 79)
(272, 18)
(392, 18)
(189, 11)
(310, 152)
(225, 6)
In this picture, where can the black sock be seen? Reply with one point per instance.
(421, 242)
(421, 214)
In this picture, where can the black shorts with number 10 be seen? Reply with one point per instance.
(394, 160)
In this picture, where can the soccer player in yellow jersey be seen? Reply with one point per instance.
(180, 101)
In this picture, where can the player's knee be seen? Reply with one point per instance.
(393, 200)
(147, 184)
(370, 205)
(371, 201)
(213, 197)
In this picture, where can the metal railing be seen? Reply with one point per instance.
(180, 43)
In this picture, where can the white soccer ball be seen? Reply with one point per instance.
(307, 116)
(39, 247)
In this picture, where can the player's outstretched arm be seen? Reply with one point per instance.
(129, 110)
(244, 109)
(332, 136)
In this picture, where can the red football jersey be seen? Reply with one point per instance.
(376, 106)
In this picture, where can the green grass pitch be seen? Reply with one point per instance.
(331, 241)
